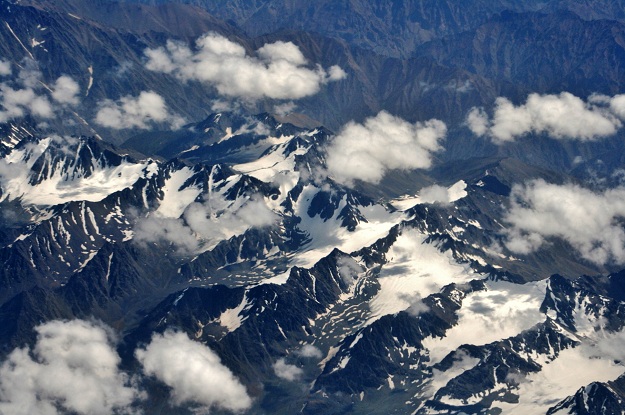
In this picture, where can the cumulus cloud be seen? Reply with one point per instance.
(157, 228)
(72, 368)
(278, 71)
(616, 103)
(591, 222)
(65, 90)
(562, 116)
(194, 373)
(202, 225)
(443, 195)
(28, 95)
(208, 224)
(5, 68)
(17, 103)
(286, 371)
(477, 121)
(416, 306)
(434, 194)
(309, 351)
(384, 142)
(137, 112)
(348, 270)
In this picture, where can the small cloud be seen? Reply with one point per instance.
(278, 71)
(348, 270)
(382, 143)
(607, 345)
(27, 94)
(137, 112)
(309, 351)
(17, 103)
(194, 373)
(434, 194)
(287, 372)
(73, 368)
(416, 305)
(477, 121)
(443, 195)
(335, 73)
(123, 68)
(5, 68)
(460, 86)
(65, 91)
(156, 228)
(211, 225)
(562, 116)
(515, 378)
(29, 75)
(588, 220)
(201, 225)
(284, 109)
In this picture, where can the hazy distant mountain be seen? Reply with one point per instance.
(321, 208)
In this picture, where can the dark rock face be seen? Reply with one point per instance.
(596, 398)
(245, 297)
(532, 49)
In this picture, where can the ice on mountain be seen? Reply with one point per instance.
(176, 198)
(60, 184)
(503, 310)
(415, 269)
(571, 370)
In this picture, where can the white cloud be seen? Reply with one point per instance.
(255, 213)
(29, 75)
(26, 95)
(278, 71)
(202, 226)
(17, 103)
(416, 305)
(348, 270)
(73, 368)
(137, 112)
(477, 121)
(5, 68)
(443, 195)
(384, 142)
(309, 351)
(562, 116)
(284, 109)
(434, 194)
(156, 228)
(194, 373)
(587, 220)
(502, 310)
(212, 225)
(606, 345)
(286, 371)
(65, 90)
(616, 103)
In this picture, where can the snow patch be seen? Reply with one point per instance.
(175, 197)
(232, 318)
(503, 310)
(328, 234)
(571, 370)
(90, 84)
(414, 271)
(62, 187)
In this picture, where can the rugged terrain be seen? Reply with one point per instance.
(430, 226)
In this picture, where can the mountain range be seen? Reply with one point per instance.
(280, 207)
